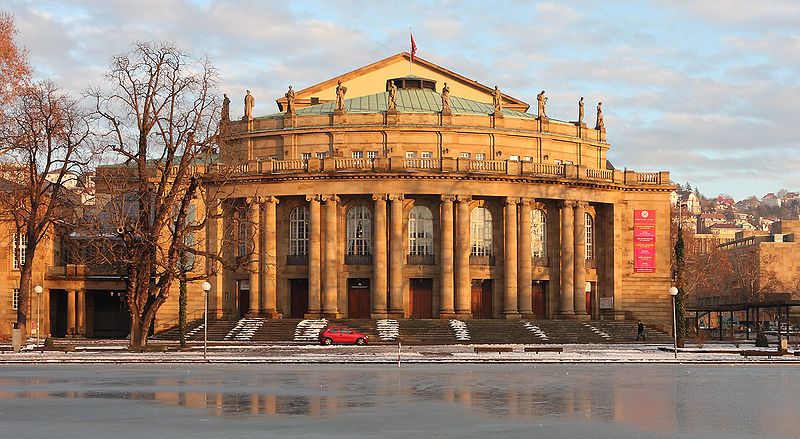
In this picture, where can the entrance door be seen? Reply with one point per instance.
(482, 298)
(299, 297)
(243, 295)
(421, 298)
(58, 313)
(358, 306)
(110, 315)
(539, 299)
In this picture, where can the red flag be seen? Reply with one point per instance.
(413, 47)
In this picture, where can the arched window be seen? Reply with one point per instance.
(538, 233)
(359, 231)
(589, 236)
(298, 231)
(480, 227)
(420, 231)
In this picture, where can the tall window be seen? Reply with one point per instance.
(15, 299)
(538, 233)
(359, 231)
(298, 231)
(20, 246)
(480, 227)
(420, 231)
(589, 236)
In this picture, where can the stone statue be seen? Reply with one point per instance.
(600, 125)
(580, 111)
(446, 99)
(541, 101)
(392, 102)
(249, 103)
(226, 108)
(290, 100)
(497, 99)
(340, 91)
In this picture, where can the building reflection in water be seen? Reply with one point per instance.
(651, 399)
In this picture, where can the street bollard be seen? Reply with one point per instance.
(16, 338)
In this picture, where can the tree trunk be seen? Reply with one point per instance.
(24, 298)
(182, 311)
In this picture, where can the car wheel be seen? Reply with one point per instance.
(327, 341)
(360, 341)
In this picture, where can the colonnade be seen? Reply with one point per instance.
(389, 260)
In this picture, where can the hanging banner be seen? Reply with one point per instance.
(644, 241)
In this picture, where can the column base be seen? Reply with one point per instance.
(527, 316)
(332, 315)
(313, 314)
(252, 315)
(270, 314)
(447, 314)
(565, 315)
(582, 316)
(378, 315)
(510, 315)
(396, 315)
(461, 315)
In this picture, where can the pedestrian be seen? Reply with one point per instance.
(639, 331)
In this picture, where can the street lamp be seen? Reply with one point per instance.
(38, 290)
(206, 288)
(673, 291)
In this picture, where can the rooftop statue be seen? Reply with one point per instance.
(249, 103)
(580, 111)
(600, 125)
(226, 108)
(497, 99)
(542, 102)
(290, 95)
(340, 92)
(445, 99)
(392, 102)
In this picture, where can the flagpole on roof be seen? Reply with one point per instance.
(413, 51)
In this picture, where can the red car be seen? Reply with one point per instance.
(342, 334)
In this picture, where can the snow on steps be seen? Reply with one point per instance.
(194, 331)
(388, 329)
(537, 331)
(244, 329)
(309, 329)
(597, 331)
(460, 330)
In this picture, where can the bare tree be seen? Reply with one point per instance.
(15, 72)
(45, 137)
(751, 273)
(160, 117)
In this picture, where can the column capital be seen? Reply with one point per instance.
(525, 201)
(329, 197)
(511, 200)
(379, 197)
(313, 197)
(581, 204)
(270, 199)
(255, 199)
(395, 197)
(568, 203)
(448, 198)
(463, 198)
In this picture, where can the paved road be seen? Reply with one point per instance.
(456, 400)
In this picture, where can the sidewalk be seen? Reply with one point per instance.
(112, 353)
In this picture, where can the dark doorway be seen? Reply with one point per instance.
(243, 297)
(481, 298)
(58, 313)
(421, 298)
(110, 315)
(358, 306)
(539, 299)
(299, 297)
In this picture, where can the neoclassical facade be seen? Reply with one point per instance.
(394, 201)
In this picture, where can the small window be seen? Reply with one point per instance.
(305, 155)
(464, 155)
(479, 156)
(411, 154)
(558, 162)
(514, 158)
(527, 158)
(358, 154)
(15, 299)
(426, 155)
(322, 155)
(314, 100)
(372, 154)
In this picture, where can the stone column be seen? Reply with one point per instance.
(397, 261)
(314, 257)
(330, 285)
(254, 215)
(524, 260)
(81, 317)
(446, 262)
(580, 259)
(510, 259)
(567, 259)
(270, 261)
(379, 281)
(214, 246)
(463, 280)
(71, 312)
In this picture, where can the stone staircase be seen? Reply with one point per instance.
(427, 332)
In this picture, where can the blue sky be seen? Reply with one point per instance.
(708, 90)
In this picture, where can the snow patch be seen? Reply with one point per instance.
(597, 331)
(244, 329)
(194, 331)
(388, 329)
(460, 330)
(309, 329)
(537, 331)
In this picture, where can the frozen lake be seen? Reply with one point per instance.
(463, 400)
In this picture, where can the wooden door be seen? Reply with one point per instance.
(299, 298)
(539, 300)
(358, 299)
(421, 298)
(243, 299)
(482, 299)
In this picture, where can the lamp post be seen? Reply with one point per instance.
(38, 290)
(206, 288)
(673, 291)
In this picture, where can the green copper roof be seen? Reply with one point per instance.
(409, 101)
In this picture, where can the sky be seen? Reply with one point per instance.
(708, 90)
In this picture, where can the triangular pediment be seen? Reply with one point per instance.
(371, 79)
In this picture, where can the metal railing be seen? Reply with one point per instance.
(296, 259)
(358, 259)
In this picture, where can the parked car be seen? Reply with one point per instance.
(342, 334)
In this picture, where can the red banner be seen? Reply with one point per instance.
(644, 241)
